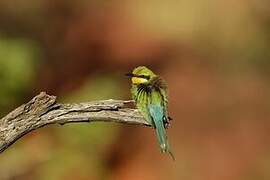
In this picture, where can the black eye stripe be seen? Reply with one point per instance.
(139, 76)
(144, 76)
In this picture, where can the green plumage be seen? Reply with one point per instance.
(150, 94)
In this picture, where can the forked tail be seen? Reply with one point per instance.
(156, 112)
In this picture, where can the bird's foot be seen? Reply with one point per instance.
(167, 124)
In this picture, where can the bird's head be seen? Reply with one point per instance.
(141, 75)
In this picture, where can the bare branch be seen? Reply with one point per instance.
(43, 110)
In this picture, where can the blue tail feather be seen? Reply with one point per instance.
(157, 114)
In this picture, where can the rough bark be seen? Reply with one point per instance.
(43, 110)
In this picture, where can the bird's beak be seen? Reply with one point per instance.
(129, 74)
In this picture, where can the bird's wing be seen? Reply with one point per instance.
(164, 95)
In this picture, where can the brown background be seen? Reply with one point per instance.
(213, 54)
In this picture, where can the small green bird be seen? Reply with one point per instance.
(151, 98)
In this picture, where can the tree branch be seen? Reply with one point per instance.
(43, 110)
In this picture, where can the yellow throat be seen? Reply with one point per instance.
(138, 80)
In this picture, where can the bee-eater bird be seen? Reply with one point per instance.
(151, 98)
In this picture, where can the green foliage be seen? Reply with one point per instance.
(17, 61)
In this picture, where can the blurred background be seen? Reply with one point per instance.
(214, 55)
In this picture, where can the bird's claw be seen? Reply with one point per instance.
(167, 124)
